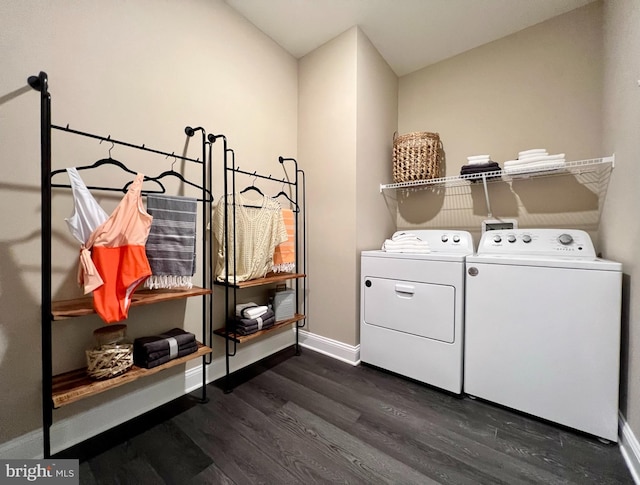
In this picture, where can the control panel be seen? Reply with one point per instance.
(570, 243)
(444, 240)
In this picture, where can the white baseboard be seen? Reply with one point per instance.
(333, 348)
(86, 424)
(630, 448)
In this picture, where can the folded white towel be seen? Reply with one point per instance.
(405, 246)
(530, 160)
(474, 158)
(534, 151)
(409, 251)
(555, 164)
(254, 312)
(250, 310)
(405, 236)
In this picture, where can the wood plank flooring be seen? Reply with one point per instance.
(311, 419)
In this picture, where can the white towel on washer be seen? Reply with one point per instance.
(405, 242)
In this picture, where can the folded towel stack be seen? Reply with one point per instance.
(250, 310)
(403, 242)
(535, 159)
(479, 164)
(247, 326)
(155, 350)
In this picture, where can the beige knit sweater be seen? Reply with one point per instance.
(257, 233)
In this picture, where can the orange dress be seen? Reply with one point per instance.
(117, 264)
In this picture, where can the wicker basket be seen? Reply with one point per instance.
(109, 360)
(416, 156)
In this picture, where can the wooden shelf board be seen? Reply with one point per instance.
(78, 307)
(268, 279)
(243, 338)
(76, 385)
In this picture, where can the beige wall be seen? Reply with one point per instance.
(377, 115)
(538, 88)
(620, 232)
(347, 115)
(327, 143)
(139, 71)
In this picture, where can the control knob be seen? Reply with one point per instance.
(526, 238)
(511, 238)
(456, 239)
(444, 238)
(497, 239)
(565, 239)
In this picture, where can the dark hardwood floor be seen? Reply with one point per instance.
(311, 419)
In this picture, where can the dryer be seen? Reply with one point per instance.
(542, 331)
(412, 309)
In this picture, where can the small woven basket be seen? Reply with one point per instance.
(416, 156)
(109, 360)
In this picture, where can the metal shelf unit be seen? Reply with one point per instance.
(232, 339)
(72, 386)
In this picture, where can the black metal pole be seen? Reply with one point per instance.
(40, 83)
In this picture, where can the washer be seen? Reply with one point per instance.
(543, 327)
(412, 309)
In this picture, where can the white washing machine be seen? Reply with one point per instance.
(542, 330)
(412, 309)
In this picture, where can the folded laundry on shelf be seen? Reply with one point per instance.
(250, 310)
(535, 152)
(155, 350)
(402, 242)
(247, 326)
(559, 157)
(489, 166)
(478, 159)
(523, 168)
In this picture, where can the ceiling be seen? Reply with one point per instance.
(410, 34)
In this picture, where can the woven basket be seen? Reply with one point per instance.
(109, 360)
(416, 156)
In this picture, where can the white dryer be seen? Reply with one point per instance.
(542, 331)
(412, 309)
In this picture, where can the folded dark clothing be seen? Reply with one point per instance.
(254, 321)
(250, 324)
(479, 168)
(148, 364)
(156, 343)
(163, 353)
(249, 331)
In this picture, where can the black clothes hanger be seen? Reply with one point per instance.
(282, 193)
(105, 161)
(252, 187)
(108, 161)
(178, 175)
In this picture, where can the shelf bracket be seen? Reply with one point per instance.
(486, 195)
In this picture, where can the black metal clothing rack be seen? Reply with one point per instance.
(40, 83)
(231, 289)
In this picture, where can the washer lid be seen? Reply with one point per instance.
(545, 261)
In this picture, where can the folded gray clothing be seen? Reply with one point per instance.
(254, 323)
(164, 353)
(163, 360)
(156, 343)
(251, 321)
(250, 330)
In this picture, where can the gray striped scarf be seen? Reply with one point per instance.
(171, 245)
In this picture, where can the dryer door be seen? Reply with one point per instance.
(422, 309)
